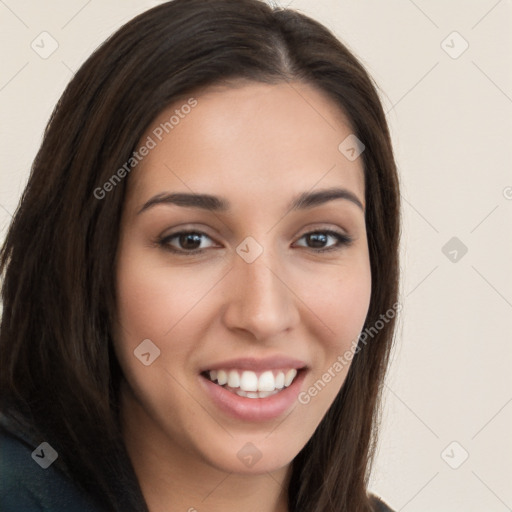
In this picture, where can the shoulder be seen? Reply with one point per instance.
(28, 479)
(379, 505)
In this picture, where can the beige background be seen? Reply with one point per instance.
(451, 120)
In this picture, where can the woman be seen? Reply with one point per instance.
(200, 282)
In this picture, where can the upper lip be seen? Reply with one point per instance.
(255, 364)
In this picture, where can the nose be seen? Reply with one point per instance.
(259, 299)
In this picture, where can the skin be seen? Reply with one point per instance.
(258, 146)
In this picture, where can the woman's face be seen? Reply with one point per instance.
(236, 284)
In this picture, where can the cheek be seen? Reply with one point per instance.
(152, 299)
(340, 303)
(353, 303)
(341, 306)
(157, 303)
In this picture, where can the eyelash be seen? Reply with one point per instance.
(342, 241)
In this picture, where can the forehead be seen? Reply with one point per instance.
(249, 139)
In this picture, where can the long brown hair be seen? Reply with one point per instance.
(57, 364)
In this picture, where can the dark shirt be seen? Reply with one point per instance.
(26, 485)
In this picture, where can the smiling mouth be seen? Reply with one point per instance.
(251, 384)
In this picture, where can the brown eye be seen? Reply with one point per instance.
(187, 242)
(316, 240)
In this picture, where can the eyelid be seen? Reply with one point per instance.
(343, 239)
(163, 240)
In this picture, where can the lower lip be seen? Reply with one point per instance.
(254, 409)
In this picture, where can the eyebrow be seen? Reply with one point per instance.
(303, 201)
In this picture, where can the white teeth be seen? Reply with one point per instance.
(250, 385)
(279, 380)
(290, 375)
(264, 394)
(233, 379)
(266, 381)
(259, 394)
(239, 392)
(249, 381)
(222, 377)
